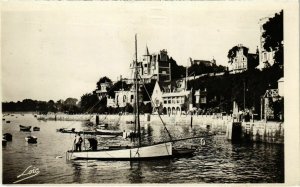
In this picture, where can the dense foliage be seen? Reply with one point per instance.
(273, 35)
(223, 90)
(103, 80)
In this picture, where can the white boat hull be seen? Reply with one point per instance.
(146, 152)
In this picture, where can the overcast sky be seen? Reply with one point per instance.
(58, 52)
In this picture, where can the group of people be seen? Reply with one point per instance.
(78, 143)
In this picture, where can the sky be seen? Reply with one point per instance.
(60, 51)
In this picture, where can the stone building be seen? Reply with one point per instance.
(203, 62)
(155, 66)
(122, 97)
(243, 60)
(173, 101)
(104, 87)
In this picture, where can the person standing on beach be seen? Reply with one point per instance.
(78, 140)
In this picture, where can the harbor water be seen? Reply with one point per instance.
(215, 161)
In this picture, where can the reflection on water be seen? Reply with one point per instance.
(218, 161)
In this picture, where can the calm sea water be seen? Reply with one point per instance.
(218, 161)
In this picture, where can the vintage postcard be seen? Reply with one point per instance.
(129, 92)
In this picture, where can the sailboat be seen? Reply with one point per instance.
(138, 152)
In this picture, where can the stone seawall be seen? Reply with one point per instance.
(257, 131)
(213, 122)
(260, 131)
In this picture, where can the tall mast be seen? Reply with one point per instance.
(137, 94)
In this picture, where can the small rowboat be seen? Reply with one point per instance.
(31, 139)
(25, 128)
(36, 128)
(64, 130)
(103, 125)
(109, 132)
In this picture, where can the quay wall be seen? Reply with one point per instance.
(207, 121)
(254, 131)
(259, 131)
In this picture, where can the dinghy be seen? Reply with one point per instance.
(36, 128)
(25, 128)
(31, 139)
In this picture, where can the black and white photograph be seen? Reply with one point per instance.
(132, 92)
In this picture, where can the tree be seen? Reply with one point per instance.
(128, 108)
(70, 101)
(51, 106)
(88, 102)
(177, 71)
(273, 35)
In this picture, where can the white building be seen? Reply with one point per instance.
(122, 97)
(172, 101)
(243, 60)
(104, 87)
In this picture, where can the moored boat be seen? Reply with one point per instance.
(162, 150)
(109, 132)
(104, 125)
(31, 139)
(24, 128)
(36, 128)
(64, 130)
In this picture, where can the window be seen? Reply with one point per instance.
(124, 98)
(131, 98)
